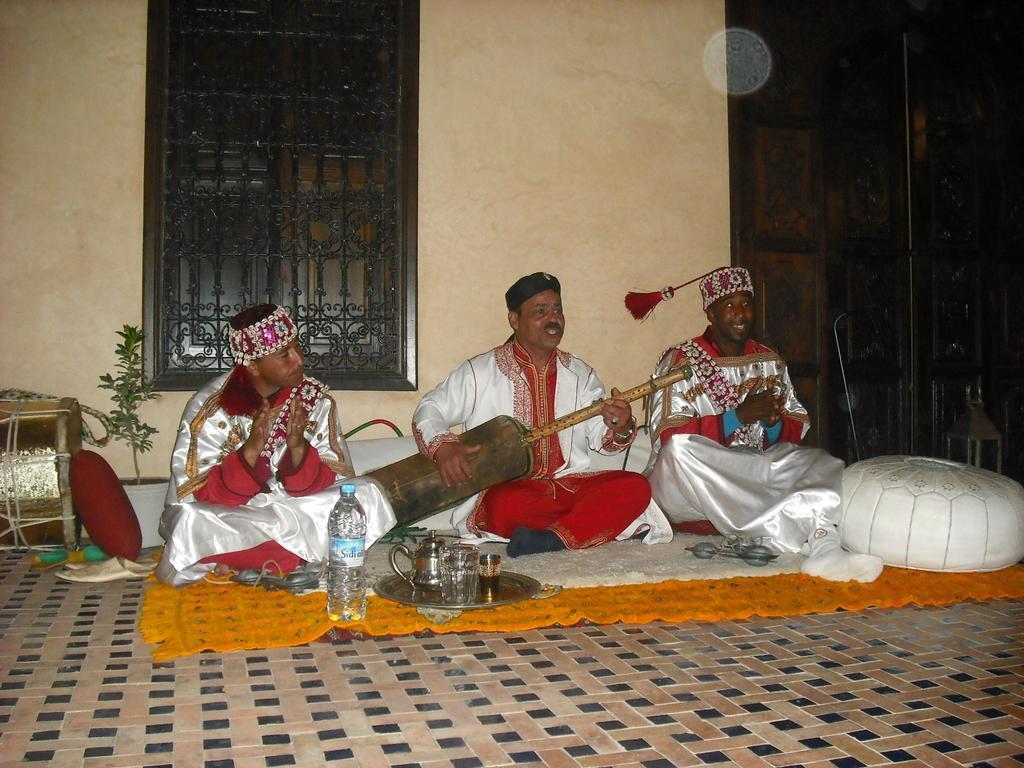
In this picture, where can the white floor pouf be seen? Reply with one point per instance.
(932, 515)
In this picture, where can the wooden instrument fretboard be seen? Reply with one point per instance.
(641, 390)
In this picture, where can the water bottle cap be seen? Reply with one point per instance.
(348, 488)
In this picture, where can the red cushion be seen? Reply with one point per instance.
(106, 512)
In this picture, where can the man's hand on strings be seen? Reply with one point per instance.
(452, 461)
(617, 414)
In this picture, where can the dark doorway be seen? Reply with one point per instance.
(898, 157)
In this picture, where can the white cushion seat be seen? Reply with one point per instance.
(931, 514)
(368, 455)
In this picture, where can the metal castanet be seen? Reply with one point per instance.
(414, 486)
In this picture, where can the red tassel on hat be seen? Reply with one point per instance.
(640, 305)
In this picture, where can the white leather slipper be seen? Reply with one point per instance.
(109, 570)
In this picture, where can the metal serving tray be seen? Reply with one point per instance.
(512, 587)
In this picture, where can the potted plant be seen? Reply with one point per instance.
(131, 388)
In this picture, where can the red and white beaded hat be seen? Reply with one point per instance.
(713, 286)
(262, 337)
(724, 281)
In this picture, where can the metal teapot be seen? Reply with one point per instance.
(426, 562)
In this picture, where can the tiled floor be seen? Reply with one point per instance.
(931, 687)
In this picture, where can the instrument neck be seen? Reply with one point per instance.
(634, 393)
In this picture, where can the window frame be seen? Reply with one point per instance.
(403, 378)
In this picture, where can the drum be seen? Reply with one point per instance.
(414, 487)
(37, 439)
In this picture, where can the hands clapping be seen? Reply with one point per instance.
(295, 433)
(761, 406)
(259, 433)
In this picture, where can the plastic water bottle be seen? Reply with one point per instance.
(346, 585)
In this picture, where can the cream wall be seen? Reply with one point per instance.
(579, 137)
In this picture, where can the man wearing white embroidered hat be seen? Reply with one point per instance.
(726, 441)
(257, 462)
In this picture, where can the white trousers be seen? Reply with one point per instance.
(779, 496)
(194, 530)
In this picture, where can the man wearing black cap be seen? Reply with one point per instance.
(562, 504)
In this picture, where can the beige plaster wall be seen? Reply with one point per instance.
(580, 137)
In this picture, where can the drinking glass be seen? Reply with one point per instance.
(460, 573)
(490, 575)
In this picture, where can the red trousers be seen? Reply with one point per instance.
(582, 510)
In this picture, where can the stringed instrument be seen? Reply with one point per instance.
(414, 486)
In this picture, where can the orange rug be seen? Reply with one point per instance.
(229, 617)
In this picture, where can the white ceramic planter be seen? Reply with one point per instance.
(148, 502)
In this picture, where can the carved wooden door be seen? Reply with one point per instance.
(877, 183)
(912, 250)
(868, 260)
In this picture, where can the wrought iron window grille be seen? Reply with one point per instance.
(281, 168)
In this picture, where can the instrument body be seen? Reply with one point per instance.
(414, 486)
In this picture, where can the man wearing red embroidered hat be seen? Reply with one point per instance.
(257, 460)
(726, 442)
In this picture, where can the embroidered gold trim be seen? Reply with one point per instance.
(195, 426)
(745, 360)
(505, 360)
(571, 542)
(234, 439)
(671, 423)
(539, 397)
(339, 466)
(473, 519)
(192, 485)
